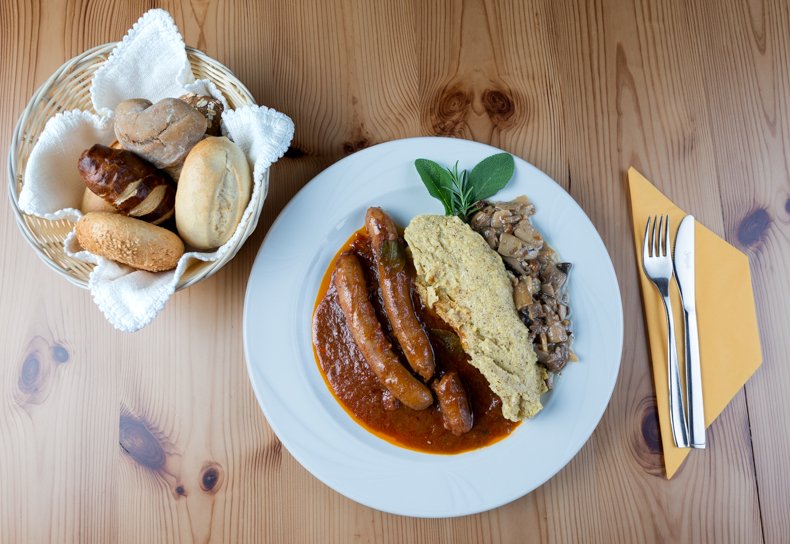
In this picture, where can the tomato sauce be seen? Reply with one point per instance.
(359, 391)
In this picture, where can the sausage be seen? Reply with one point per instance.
(352, 294)
(395, 289)
(453, 403)
(388, 402)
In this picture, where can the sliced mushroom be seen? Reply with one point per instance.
(479, 220)
(522, 295)
(557, 358)
(510, 246)
(543, 357)
(535, 286)
(557, 332)
(519, 203)
(491, 237)
(512, 205)
(497, 220)
(510, 219)
(547, 288)
(565, 268)
(527, 233)
(553, 276)
(535, 310)
(515, 265)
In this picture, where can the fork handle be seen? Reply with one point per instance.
(677, 412)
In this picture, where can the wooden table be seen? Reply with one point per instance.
(695, 94)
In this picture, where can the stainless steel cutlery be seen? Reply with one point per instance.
(659, 266)
(657, 262)
(684, 274)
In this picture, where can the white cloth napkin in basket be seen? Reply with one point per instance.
(151, 63)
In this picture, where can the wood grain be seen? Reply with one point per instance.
(157, 436)
(632, 102)
(747, 89)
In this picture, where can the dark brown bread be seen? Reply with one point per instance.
(210, 107)
(128, 183)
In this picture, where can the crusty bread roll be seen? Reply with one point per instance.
(213, 192)
(92, 202)
(161, 133)
(129, 241)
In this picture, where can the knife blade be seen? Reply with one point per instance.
(684, 272)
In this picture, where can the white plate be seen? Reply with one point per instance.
(306, 417)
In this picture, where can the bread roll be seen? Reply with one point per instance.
(129, 241)
(210, 108)
(161, 133)
(129, 184)
(94, 203)
(213, 192)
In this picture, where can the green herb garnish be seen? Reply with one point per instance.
(392, 255)
(451, 341)
(459, 192)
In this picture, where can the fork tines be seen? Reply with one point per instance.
(663, 235)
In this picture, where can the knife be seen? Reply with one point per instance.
(684, 272)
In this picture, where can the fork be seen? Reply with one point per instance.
(657, 262)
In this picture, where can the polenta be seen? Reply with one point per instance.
(465, 282)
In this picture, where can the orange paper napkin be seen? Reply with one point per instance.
(728, 336)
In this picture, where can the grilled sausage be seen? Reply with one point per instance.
(453, 402)
(388, 402)
(352, 294)
(395, 289)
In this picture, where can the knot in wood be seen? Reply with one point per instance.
(33, 381)
(60, 354)
(646, 441)
(211, 477)
(29, 374)
(453, 104)
(452, 109)
(352, 147)
(753, 227)
(650, 432)
(498, 104)
(140, 444)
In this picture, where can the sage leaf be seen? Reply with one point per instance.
(491, 175)
(438, 182)
(451, 341)
(392, 255)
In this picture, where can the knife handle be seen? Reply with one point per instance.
(677, 413)
(696, 408)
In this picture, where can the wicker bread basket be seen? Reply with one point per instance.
(68, 89)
